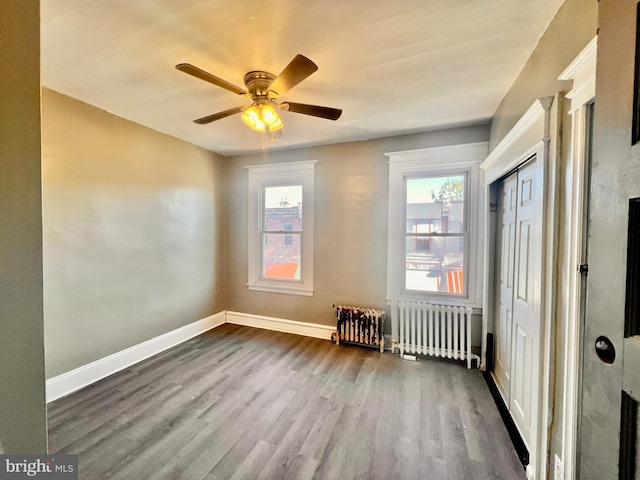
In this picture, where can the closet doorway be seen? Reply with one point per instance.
(518, 268)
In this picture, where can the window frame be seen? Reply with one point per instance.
(434, 162)
(276, 175)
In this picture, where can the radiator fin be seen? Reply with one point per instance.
(436, 330)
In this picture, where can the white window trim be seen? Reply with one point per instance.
(432, 162)
(275, 174)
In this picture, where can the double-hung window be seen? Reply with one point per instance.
(281, 227)
(434, 216)
(437, 232)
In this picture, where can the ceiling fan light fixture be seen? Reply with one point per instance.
(269, 115)
(260, 116)
(251, 113)
(251, 118)
(276, 126)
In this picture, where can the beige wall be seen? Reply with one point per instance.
(134, 233)
(573, 27)
(136, 227)
(22, 391)
(350, 250)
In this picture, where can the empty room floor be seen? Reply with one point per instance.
(243, 403)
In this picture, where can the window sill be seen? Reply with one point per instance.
(286, 289)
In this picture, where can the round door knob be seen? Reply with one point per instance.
(605, 350)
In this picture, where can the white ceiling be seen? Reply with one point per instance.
(394, 67)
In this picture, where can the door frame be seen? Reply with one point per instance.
(582, 71)
(535, 133)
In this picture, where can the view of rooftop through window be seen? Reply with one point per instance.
(435, 234)
(282, 213)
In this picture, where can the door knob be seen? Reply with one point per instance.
(605, 350)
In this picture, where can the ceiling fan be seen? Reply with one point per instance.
(264, 88)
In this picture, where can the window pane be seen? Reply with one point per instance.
(283, 208)
(281, 256)
(435, 204)
(434, 264)
(418, 220)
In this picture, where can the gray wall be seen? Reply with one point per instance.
(615, 179)
(350, 248)
(573, 27)
(22, 399)
(134, 233)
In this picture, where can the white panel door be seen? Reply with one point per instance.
(525, 333)
(505, 267)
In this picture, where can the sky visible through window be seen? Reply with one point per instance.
(419, 189)
(273, 196)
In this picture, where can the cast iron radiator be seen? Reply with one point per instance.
(436, 330)
(359, 325)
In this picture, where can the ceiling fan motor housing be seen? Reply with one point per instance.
(258, 83)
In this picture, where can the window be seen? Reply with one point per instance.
(280, 234)
(281, 254)
(435, 233)
(422, 244)
(288, 239)
(434, 248)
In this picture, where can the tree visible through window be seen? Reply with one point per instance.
(435, 234)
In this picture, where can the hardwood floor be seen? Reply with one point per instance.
(242, 403)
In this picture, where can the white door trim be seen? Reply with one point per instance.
(535, 132)
(582, 71)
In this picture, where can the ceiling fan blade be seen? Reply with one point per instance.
(207, 77)
(298, 69)
(313, 110)
(218, 116)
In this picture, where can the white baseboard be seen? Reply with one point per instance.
(69, 382)
(74, 380)
(281, 325)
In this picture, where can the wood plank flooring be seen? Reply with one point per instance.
(243, 403)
